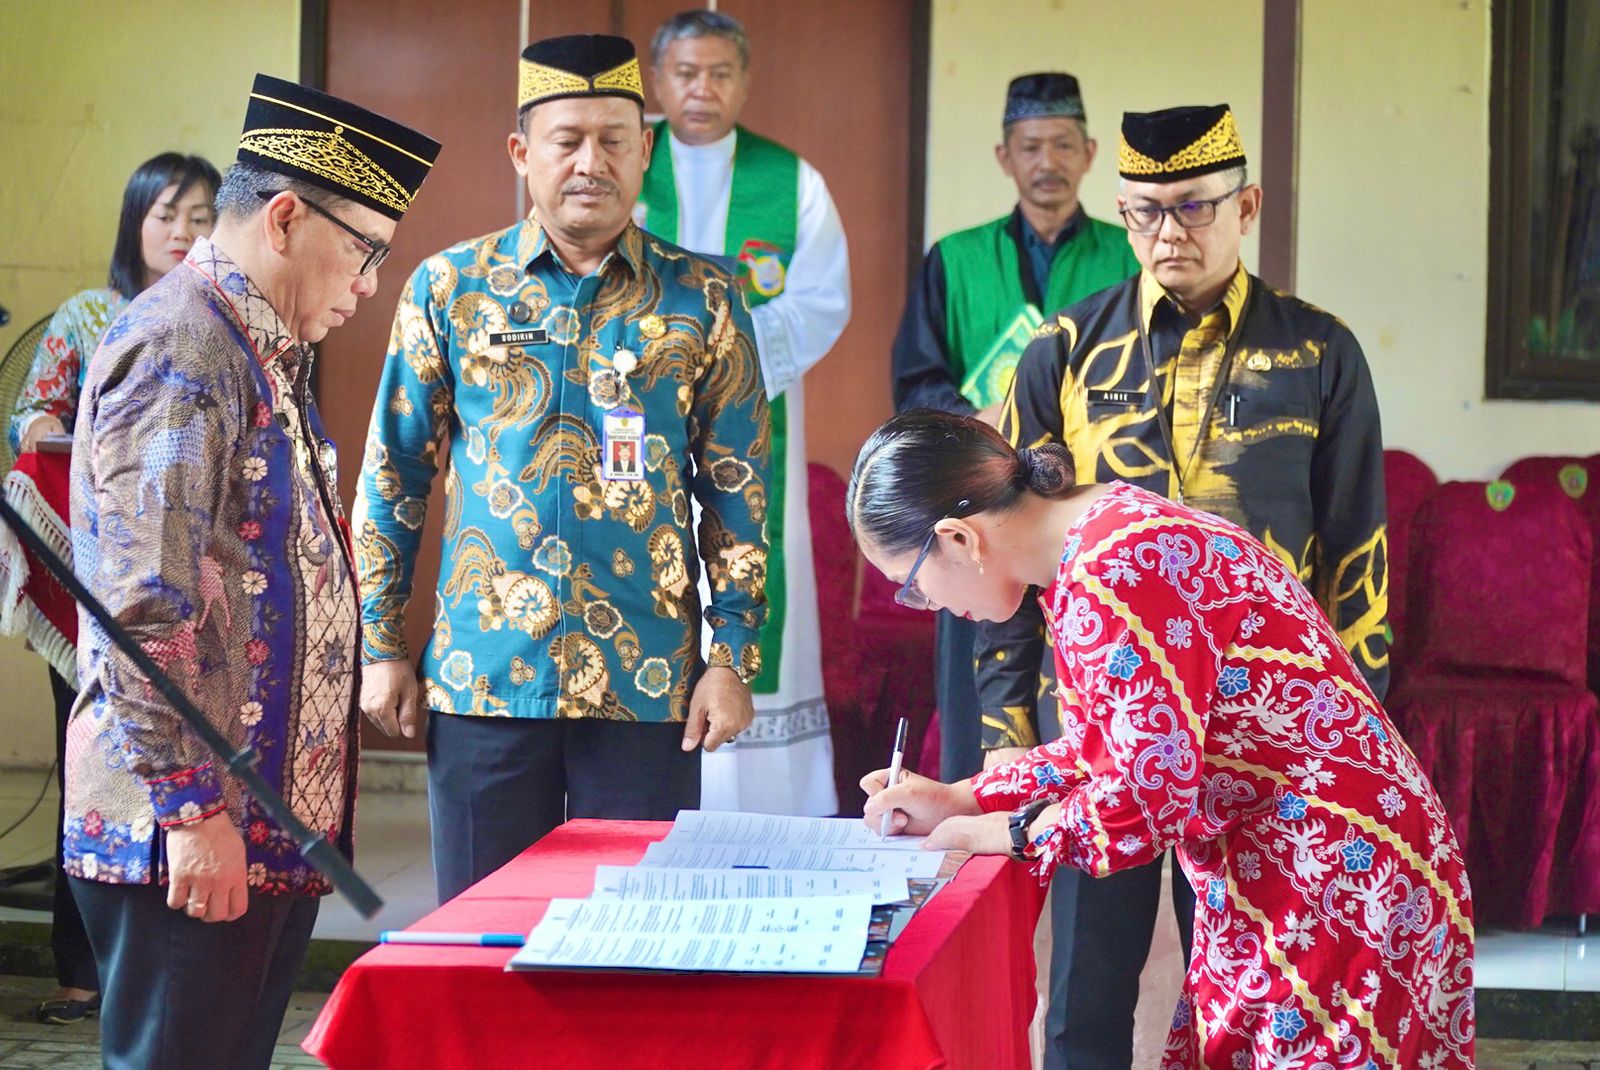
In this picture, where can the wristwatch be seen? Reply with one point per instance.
(1021, 818)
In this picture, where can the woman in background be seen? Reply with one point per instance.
(167, 205)
(1208, 705)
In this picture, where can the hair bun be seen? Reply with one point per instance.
(1046, 470)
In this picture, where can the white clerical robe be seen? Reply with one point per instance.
(782, 763)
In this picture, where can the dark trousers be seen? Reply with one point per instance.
(180, 993)
(956, 695)
(498, 784)
(68, 941)
(1101, 937)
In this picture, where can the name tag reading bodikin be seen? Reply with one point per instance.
(622, 445)
(1115, 397)
(531, 336)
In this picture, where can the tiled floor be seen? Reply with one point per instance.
(1550, 959)
(25, 1043)
(392, 853)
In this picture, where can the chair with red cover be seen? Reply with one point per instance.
(1407, 482)
(898, 643)
(1579, 477)
(877, 659)
(1494, 701)
(834, 556)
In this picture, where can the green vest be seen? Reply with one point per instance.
(763, 220)
(988, 318)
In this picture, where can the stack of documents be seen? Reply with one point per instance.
(743, 893)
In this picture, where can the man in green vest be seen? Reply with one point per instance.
(718, 189)
(982, 294)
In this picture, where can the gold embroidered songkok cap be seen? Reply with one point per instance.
(348, 150)
(1165, 146)
(583, 65)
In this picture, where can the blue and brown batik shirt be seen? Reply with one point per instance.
(562, 593)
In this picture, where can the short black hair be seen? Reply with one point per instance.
(127, 274)
(239, 195)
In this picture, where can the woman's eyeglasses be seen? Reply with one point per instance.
(909, 594)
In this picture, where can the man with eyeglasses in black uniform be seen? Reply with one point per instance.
(1196, 380)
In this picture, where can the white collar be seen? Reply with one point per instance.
(720, 149)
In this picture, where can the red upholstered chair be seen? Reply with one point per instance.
(877, 662)
(833, 554)
(1407, 482)
(1494, 700)
(1579, 477)
(897, 644)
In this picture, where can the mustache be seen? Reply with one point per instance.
(589, 185)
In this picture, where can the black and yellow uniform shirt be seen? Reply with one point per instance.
(1268, 418)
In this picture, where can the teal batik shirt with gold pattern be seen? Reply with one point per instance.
(562, 593)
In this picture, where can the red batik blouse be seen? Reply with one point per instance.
(1210, 706)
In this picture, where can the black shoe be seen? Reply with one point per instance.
(67, 1011)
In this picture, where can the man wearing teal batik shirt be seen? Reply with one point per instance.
(564, 675)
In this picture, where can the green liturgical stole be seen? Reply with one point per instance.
(988, 318)
(763, 218)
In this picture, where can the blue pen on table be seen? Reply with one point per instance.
(398, 936)
(894, 774)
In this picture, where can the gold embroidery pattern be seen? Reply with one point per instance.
(538, 82)
(1217, 145)
(623, 77)
(329, 154)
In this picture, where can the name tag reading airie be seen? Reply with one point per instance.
(532, 336)
(1116, 397)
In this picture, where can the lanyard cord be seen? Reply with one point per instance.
(1229, 350)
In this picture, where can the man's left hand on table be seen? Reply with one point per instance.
(719, 709)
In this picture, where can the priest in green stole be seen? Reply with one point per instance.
(982, 294)
(716, 188)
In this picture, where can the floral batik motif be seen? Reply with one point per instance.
(1212, 708)
(569, 594)
(206, 516)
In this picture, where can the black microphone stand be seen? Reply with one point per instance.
(241, 763)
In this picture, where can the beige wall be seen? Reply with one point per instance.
(978, 46)
(1393, 199)
(1394, 203)
(88, 91)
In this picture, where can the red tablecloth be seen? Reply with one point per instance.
(956, 991)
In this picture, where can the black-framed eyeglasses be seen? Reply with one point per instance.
(909, 595)
(1146, 218)
(377, 251)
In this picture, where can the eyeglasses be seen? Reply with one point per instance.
(1146, 218)
(377, 251)
(909, 595)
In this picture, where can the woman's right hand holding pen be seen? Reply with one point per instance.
(918, 803)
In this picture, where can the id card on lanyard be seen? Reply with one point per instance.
(622, 429)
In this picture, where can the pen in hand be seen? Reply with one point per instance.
(894, 774)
